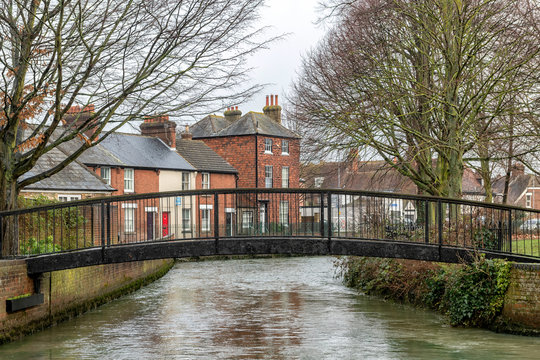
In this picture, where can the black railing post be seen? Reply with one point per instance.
(426, 222)
(440, 211)
(321, 217)
(109, 224)
(329, 216)
(1, 236)
(216, 217)
(510, 230)
(102, 224)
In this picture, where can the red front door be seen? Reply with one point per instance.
(165, 222)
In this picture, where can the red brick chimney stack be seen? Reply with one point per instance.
(232, 114)
(76, 116)
(186, 135)
(273, 111)
(160, 127)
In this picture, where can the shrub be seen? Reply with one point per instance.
(32, 246)
(486, 238)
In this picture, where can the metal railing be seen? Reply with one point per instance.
(236, 213)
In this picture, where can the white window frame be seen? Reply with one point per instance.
(205, 184)
(68, 197)
(247, 219)
(318, 181)
(186, 220)
(284, 147)
(205, 220)
(129, 181)
(186, 185)
(268, 146)
(284, 213)
(528, 200)
(106, 174)
(285, 173)
(268, 176)
(129, 220)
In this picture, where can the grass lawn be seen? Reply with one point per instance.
(526, 246)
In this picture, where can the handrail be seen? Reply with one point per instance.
(316, 213)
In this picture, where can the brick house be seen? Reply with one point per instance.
(266, 155)
(213, 172)
(523, 189)
(371, 176)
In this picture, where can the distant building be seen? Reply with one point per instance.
(266, 155)
(523, 189)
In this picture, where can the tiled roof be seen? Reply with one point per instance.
(130, 150)
(202, 157)
(250, 124)
(74, 176)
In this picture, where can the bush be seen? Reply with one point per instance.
(32, 246)
(486, 238)
(471, 295)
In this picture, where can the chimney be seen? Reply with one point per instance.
(352, 159)
(160, 127)
(186, 135)
(518, 169)
(76, 117)
(273, 111)
(232, 114)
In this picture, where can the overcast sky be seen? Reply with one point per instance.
(278, 64)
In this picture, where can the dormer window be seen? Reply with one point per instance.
(267, 146)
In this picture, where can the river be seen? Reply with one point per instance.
(284, 308)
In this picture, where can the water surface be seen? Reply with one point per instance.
(286, 308)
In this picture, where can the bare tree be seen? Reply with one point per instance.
(419, 82)
(126, 57)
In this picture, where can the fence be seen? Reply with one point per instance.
(236, 213)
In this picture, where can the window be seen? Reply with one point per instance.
(129, 220)
(205, 180)
(284, 147)
(267, 146)
(318, 182)
(106, 174)
(284, 213)
(528, 200)
(186, 220)
(205, 220)
(268, 176)
(247, 219)
(185, 181)
(65, 198)
(128, 180)
(285, 177)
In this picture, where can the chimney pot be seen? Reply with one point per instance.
(276, 101)
(267, 103)
(271, 100)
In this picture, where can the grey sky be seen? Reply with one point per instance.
(278, 64)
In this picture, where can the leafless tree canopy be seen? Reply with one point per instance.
(127, 57)
(427, 85)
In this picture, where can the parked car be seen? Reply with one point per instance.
(531, 224)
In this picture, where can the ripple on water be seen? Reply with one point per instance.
(286, 308)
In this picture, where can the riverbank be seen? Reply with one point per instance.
(67, 293)
(491, 294)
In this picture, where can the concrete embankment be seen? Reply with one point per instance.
(61, 295)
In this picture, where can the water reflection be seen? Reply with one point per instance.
(267, 308)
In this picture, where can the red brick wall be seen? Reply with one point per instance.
(63, 290)
(239, 151)
(146, 181)
(217, 181)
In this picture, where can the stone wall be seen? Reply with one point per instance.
(67, 292)
(522, 302)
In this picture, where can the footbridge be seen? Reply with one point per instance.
(266, 221)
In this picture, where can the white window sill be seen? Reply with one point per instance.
(284, 154)
(128, 191)
(268, 152)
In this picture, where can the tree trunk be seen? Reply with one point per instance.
(8, 195)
